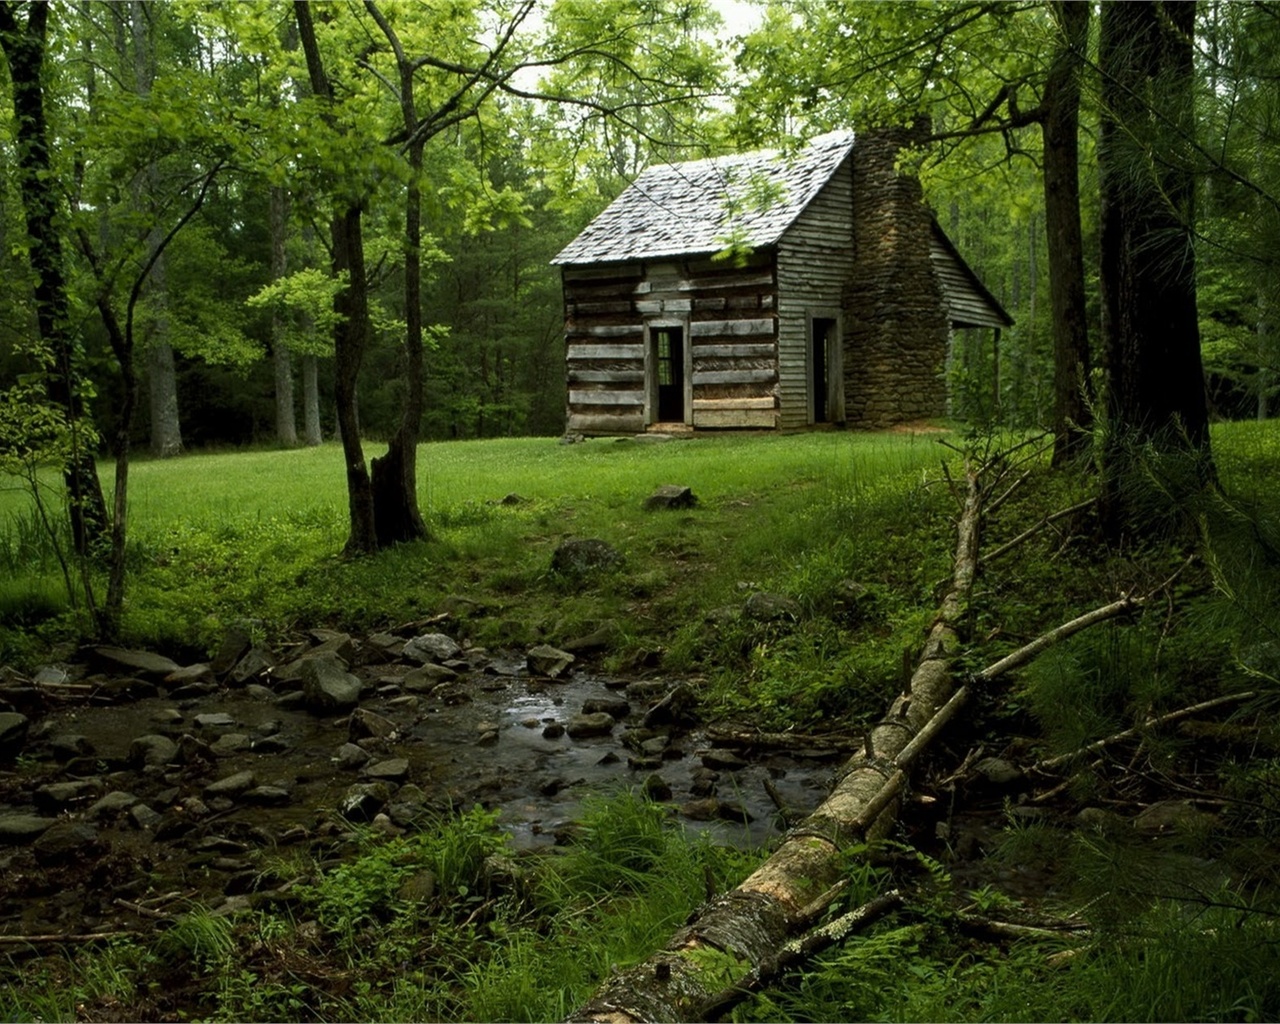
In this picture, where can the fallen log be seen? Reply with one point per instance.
(742, 930)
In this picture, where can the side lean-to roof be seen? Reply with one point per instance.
(698, 207)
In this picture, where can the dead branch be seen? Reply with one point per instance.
(58, 937)
(723, 735)
(1027, 534)
(989, 928)
(1043, 642)
(1009, 492)
(1049, 764)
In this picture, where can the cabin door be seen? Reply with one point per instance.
(668, 363)
(824, 364)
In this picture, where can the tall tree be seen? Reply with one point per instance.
(1151, 337)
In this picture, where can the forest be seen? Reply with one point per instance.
(970, 720)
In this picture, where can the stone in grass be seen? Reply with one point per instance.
(579, 559)
(671, 496)
(766, 607)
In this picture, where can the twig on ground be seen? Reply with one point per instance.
(1027, 534)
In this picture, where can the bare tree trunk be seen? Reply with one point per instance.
(286, 423)
(162, 390)
(1072, 387)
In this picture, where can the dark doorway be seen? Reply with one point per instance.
(669, 360)
(823, 332)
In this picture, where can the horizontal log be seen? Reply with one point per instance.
(615, 306)
(607, 331)
(606, 398)
(759, 419)
(734, 376)
(729, 404)
(757, 350)
(732, 328)
(604, 423)
(605, 376)
(601, 273)
(619, 351)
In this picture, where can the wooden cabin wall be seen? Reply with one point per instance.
(815, 263)
(731, 336)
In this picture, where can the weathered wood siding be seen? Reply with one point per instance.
(815, 262)
(728, 317)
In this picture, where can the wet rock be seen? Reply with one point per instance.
(552, 731)
(110, 806)
(615, 707)
(193, 691)
(272, 745)
(583, 726)
(702, 782)
(252, 667)
(395, 769)
(231, 743)
(711, 809)
(152, 749)
(646, 690)
(267, 796)
(676, 708)
(231, 785)
(655, 746)
(545, 660)
(766, 607)
(670, 496)
(431, 647)
(294, 700)
(167, 716)
(69, 745)
(581, 559)
(67, 841)
(13, 734)
(258, 692)
(125, 688)
(350, 756)
(190, 674)
(996, 771)
(427, 677)
(340, 647)
(58, 796)
(328, 687)
(144, 817)
(51, 675)
(22, 829)
(719, 759)
(232, 648)
(655, 787)
(192, 751)
(387, 644)
(364, 800)
(215, 720)
(365, 723)
(155, 666)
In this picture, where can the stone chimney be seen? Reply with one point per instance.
(895, 322)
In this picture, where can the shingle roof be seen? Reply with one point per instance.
(698, 206)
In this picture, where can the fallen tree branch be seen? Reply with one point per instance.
(1027, 534)
(799, 950)
(985, 926)
(1049, 764)
(722, 735)
(57, 937)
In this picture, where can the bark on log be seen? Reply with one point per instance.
(740, 931)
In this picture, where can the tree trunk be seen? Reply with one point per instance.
(313, 435)
(352, 306)
(1155, 395)
(286, 422)
(162, 389)
(744, 928)
(1072, 388)
(24, 49)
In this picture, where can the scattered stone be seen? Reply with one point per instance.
(427, 677)
(705, 809)
(144, 817)
(1166, 816)
(615, 707)
(643, 764)
(167, 716)
(431, 647)
(339, 646)
(670, 496)
(997, 771)
(13, 734)
(599, 639)
(646, 689)
(267, 796)
(365, 723)
(272, 745)
(57, 796)
(232, 785)
(152, 749)
(582, 726)
(395, 769)
(21, 829)
(231, 743)
(258, 692)
(51, 675)
(609, 758)
(655, 746)
(69, 745)
(766, 607)
(352, 757)
(676, 708)
(513, 499)
(488, 738)
(145, 662)
(193, 691)
(124, 688)
(1099, 818)
(294, 700)
(580, 559)
(253, 666)
(233, 647)
(418, 887)
(328, 687)
(364, 800)
(192, 750)
(191, 674)
(215, 720)
(545, 660)
(552, 731)
(719, 759)
(67, 840)
(655, 788)
(113, 804)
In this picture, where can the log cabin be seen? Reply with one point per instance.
(766, 291)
